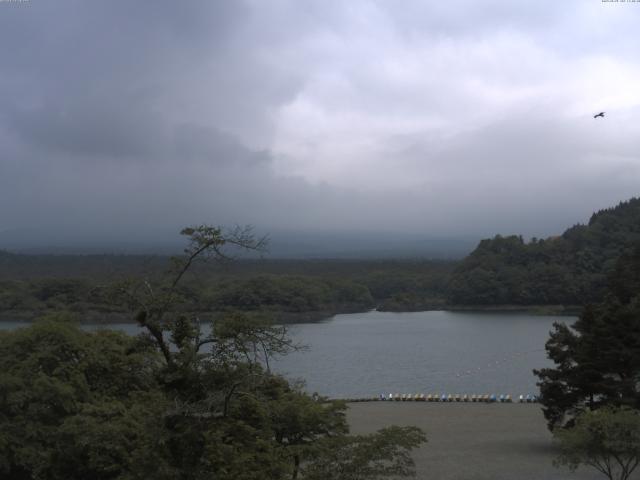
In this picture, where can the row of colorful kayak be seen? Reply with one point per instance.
(421, 397)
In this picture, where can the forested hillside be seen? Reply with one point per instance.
(289, 290)
(570, 269)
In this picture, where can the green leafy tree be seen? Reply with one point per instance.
(597, 360)
(76, 405)
(607, 439)
(366, 457)
(223, 384)
(179, 402)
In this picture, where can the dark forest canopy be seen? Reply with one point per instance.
(570, 269)
(292, 289)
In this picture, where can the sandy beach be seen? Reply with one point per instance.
(469, 441)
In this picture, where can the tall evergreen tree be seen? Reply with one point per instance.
(598, 358)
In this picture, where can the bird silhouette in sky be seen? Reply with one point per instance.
(601, 114)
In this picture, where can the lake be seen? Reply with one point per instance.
(364, 354)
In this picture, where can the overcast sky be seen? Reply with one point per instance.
(440, 118)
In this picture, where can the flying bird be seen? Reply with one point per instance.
(601, 114)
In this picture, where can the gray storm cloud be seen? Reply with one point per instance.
(430, 118)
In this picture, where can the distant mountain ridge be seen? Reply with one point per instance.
(570, 269)
(282, 244)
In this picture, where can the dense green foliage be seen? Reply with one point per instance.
(570, 269)
(597, 358)
(289, 294)
(39, 296)
(77, 405)
(177, 402)
(291, 289)
(607, 440)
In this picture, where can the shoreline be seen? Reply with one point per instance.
(542, 310)
(92, 317)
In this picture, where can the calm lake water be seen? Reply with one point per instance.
(365, 354)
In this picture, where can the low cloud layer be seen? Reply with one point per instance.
(439, 119)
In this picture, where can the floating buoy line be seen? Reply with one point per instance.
(446, 398)
(492, 364)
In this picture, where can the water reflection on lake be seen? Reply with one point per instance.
(447, 352)
(430, 352)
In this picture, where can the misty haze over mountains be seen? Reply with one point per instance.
(281, 245)
(419, 120)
